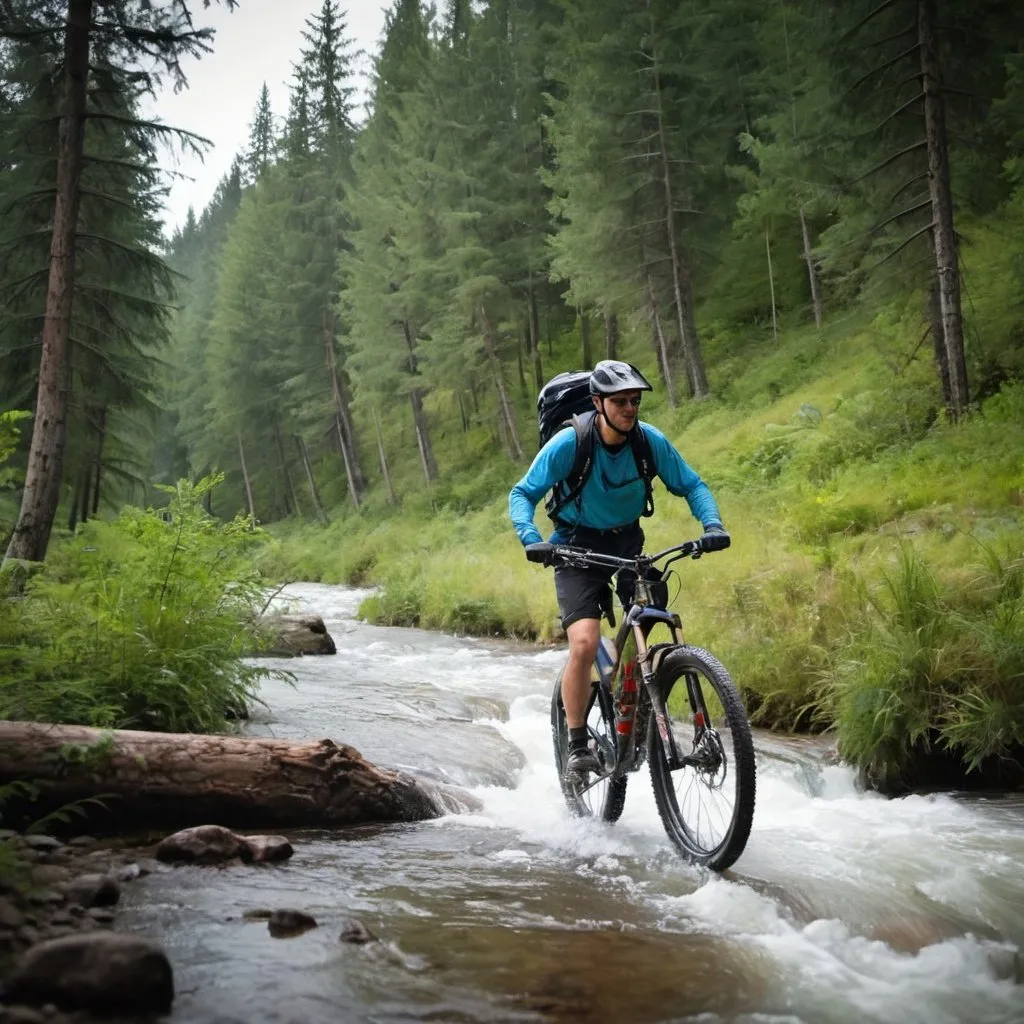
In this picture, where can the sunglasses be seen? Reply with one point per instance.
(621, 403)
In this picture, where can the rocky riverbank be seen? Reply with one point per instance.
(62, 959)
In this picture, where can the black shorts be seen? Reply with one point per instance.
(587, 593)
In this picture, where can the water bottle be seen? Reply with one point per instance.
(605, 659)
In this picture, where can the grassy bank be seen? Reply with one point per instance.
(875, 579)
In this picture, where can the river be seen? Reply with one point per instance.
(845, 908)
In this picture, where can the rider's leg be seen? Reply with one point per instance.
(584, 635)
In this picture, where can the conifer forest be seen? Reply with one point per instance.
(740, 196)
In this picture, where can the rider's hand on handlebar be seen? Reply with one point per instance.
(541, 552)
(715, 538)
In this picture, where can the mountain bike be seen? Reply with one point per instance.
(667, 703)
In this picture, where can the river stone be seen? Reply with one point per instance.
(356, 932)
(202, 844)
(104, 972)
(42, 844)
(94, 891)
(49, 874)
(296, 634)
(21, 1015)
(10, 915)
(285, 923)
(264, 849)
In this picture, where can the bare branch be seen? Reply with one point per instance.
(892, 159)
(906, 241)
(884, 5)
(896, 113)
(920, 205)
(884, 67)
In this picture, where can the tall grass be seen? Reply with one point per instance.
(930, 663)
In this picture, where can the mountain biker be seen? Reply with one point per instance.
(604, 518)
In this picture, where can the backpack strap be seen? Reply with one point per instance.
(568, 490)
(644, 459)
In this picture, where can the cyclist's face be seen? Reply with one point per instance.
(621, 410)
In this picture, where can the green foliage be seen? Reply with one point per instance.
(929, 662)
(142, 622)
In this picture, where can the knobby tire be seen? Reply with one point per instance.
(712, 834)
(606, 799)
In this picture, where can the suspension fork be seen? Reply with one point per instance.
(673, 759)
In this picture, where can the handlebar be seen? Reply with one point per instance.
(582, 558)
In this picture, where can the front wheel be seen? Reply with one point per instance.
(705, 799)
(604, 799)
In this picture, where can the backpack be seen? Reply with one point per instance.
(565, 400)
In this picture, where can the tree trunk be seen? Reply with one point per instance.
(385, 472)
(812, 271)
(97, 465)
(771, 285)
(419, 419)
(692, 358)
(534, 327)
(153, 780)
(611, 335)
(79, 504)
(41, 493)
(934, 314)
(314, 493)
(943, 234)
(291, 499)
(342, 423)
(661, 347)
(245, 477)
(505, 407)
(588, 355)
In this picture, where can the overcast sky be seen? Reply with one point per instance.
(256, 43)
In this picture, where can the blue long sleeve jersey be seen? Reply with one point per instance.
(614, 492)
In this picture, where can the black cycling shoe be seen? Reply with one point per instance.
(581, 760)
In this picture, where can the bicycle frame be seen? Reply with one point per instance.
(640, 618)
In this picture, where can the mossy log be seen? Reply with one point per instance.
(148, 780)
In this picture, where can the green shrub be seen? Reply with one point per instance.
(927, 662)
(138, 623)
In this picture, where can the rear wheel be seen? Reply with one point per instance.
(706, 804)
(605, 798)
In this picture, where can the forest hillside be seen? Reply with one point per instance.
(803, 221)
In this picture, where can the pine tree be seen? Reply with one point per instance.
(123, 33)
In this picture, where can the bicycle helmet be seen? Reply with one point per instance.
(612, 375)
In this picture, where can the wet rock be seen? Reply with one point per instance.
(10, 915)
(101, 915)
(149, 866)
(49, 874)
(296, 634)
(80, 841)
(257, 915)
(21, 1015)
(268, 849)
(283, 924)
(103, 972)
(45, 897)
(94, 891)
(40, 843)
(356, 932)
(202, 844)
(126, 873)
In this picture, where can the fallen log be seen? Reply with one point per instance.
(149, 780)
